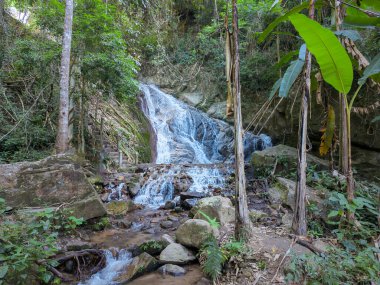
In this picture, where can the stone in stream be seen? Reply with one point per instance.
(166, 224)
(194, 232)
(118, 208)
(188, 204)
(167, 238)
(144, 263)
(172, 269)
(191, 195)
(217, 207)
(182, 182)
(176, 253)
(169, 205)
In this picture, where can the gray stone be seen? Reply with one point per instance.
(54, 180)
(172, 269)
(192, 99)
(283, 154)
(215, 207)
(287, 189)
(167, 238)
(176, 253)
(256, 215)
(144, 263)
(188, 204)
(194, 232)
(166, 224)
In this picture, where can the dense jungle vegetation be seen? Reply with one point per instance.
(309, 75)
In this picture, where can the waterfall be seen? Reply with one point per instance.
(185, 135)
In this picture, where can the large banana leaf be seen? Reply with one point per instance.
(335, 64)
(285, 17)
(372, 69)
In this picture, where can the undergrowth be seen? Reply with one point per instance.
(28, 241)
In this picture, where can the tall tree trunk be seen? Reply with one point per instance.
(243, 224)
(299, 219)
(62, 141)
(345, 129)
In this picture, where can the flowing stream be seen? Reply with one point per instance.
(189, 145)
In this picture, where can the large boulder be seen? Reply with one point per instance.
(52, 181)
(194, 232)
(285, 156)
(283, 192)
(144, 263)
(217, 207)
(176, 253)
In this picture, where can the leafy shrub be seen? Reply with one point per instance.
(27, 244)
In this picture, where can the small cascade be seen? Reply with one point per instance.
(114, 266)
(160, 186)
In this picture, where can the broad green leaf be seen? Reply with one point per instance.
(351, 34)
(275, 88)
(372, 69)
(332, 58)
(333, 214)
(290, 77)
(3, 271)
(285, 17)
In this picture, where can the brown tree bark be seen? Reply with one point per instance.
(62, 140)
(299, 224)
(243, 224)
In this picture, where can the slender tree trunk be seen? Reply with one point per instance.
(345, 129)
(243, 223)
(62, 141)
(299, 219)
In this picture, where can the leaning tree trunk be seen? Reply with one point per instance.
(243, 223)
(345, 129)
(62, 141)
(299, 219)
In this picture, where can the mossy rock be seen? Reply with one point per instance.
(119, 208)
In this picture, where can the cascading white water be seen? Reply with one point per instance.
(185, 135)
(114, 265)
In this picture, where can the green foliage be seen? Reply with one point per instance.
(372, 69)
(337, 266)
(25, 242)
(102, 224)
(214, 258)
(332, 58)
(213, 222)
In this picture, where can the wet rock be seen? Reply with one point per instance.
(169, 205)
(176, 253)
(104, 197)
(166, 224)
(191, 195)
(182, 182)
(194, 232)
(134, 190)
(51, 181)
(144, 263)
(171, 269)
(215, 207)
(167, 238)
(117, 208)
(188, 204)
(178, 209)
